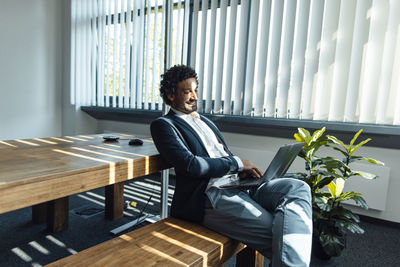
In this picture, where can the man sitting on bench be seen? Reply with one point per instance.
(273, 218)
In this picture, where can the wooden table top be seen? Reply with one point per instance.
(36, 170)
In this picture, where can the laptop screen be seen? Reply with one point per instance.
(282, 160)
(277, 168)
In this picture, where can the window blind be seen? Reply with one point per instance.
(334, 60)
(220, 55)
(322, 60)
(118, 49)
(229, 59)
(298, 58)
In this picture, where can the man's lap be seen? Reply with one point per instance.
(249, 217)
(238, 216)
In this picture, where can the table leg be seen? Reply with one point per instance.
(39, 213)
(249, 257)
(114, 201)
(57, 214)
(164, 193)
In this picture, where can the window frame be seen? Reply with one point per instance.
(383, 136)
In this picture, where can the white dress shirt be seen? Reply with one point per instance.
(214, 148)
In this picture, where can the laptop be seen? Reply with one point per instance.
(277, 168)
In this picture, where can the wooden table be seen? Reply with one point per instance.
(48, 170)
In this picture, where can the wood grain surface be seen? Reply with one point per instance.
(170, 242)
(37, 170)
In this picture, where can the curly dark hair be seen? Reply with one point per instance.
(171, 78)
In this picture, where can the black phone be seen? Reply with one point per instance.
(110, 138)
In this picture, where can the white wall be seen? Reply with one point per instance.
(381, 194)
(74, 121)
(30, 68)
(34, 71)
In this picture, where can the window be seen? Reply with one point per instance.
(118, 50)
(315, 60)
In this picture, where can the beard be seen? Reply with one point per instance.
(191, 106)
(185, 107)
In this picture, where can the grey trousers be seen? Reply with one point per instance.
(275, 219)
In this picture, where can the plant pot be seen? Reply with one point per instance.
(318, 251)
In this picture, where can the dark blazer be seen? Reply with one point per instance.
(180, 145)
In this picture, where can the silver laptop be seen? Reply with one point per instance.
(277, 168)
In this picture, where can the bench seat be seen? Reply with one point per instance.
(169, 242)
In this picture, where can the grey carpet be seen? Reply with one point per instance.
(26, 244)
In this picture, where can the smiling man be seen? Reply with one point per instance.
(273, 218)
(185, 99)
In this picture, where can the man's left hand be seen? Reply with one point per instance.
(249, 170)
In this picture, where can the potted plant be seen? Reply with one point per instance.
(326, 176)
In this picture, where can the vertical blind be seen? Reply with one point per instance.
(118, 49)
(326, 60)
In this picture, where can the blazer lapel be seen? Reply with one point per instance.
(183, 124)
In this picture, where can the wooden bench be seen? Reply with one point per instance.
(169, 242)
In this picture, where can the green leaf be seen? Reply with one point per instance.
(339, 186)
(332, 188)
(302, 154)
(322, 203)
(323, 194)
(336, 188)
(338, 149)
(356, 197)
(366, 175)
(324, 181)
(316, 161)
(332, 244)
(305, 135)
(317, 134)
(353, 159)
(298, 138)
(337, 141)
(347, 196)
(360, 201)
(307, 166)
(350, 226)
(316, 215)
(373, 161)
(314, 146)
(313, 180)
(327, 173)
(343, 213)
(355, 138)
(359, 145)
(332, 163)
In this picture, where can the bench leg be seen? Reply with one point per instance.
(114, 194)
(57, 214)
(249, 257)
(39, 213)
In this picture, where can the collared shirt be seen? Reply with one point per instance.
(214, 148)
